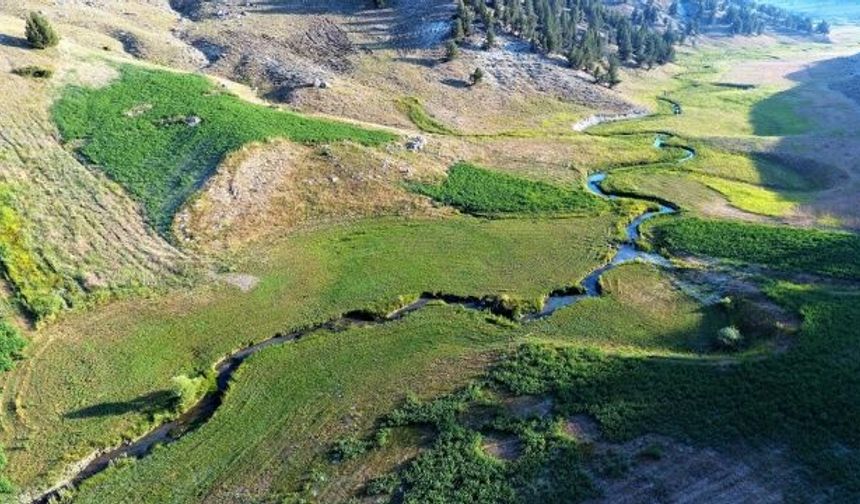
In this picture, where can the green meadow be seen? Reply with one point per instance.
(161, 134)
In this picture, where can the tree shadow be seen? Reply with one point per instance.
(422, 62)
(146, 404)
(455, 83)
(817, 122)
(10, 41)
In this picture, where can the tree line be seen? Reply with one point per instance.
(593, 37)
(746, 17)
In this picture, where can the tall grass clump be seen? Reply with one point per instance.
(483, 192)
(161, 134)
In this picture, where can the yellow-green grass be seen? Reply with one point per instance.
(711, 109)
(755, 199)
(109, 358)
(36, 285)
(290, 404)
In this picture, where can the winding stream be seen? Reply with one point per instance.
(201, 412)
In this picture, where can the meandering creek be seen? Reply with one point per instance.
(201, 412)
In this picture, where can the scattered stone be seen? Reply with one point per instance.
(416, 144)
(138, 110)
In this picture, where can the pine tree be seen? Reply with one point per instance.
(476, 77)
(612, 77)
(451, 50)
(40, 33)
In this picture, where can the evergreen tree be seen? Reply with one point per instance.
(451, 50)
(612, 77)
(40, 34)
(476, 77)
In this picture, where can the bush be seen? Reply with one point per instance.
(348, 448)
(40, 34)
(187, 391)
(729, 338)
(11, 345)
(34, 71)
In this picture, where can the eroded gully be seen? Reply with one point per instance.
(201, 412)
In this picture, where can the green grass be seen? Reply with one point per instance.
(483, 192)
(295, 397)
(795, 250)
(285, 399)
(640, 311)
(135, 130)
(127, 350)
(422, 119)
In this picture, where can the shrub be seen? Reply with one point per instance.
(34, 71)
(40, 34)
(729, 338)
(187, 391)
(348, 448)
(11, 345)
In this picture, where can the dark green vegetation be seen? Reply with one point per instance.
(40, 34)
(545, 466)
(483, 192)
(11, 345)
(161, 134)
(805, 397)
(795, 250)
(575, 28)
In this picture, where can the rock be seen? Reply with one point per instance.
(193, 121)
(416, 144)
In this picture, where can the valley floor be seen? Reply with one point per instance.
(720, 367)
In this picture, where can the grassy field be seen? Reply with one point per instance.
(480, 191)
(107, 360)
(292, 403)
(783, 248)
(640, 312)
(161, 134)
